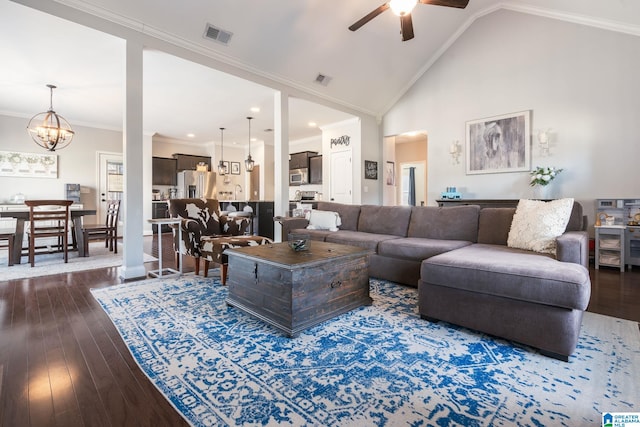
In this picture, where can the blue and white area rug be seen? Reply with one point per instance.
(377, 365)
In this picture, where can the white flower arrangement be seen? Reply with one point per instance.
(543, 176)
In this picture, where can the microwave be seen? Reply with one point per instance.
(299, 176)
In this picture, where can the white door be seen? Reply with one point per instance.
(341, 177)
(111, 183)
(421, 182)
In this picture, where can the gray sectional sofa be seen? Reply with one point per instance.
(467, 275)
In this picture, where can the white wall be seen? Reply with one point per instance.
(167, 147)
(313, 143)
(580, 81)
(76, 163)
(370, 148)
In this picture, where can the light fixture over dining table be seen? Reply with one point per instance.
(49, 129)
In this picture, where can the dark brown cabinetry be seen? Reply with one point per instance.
(190, 161)
(315, 170)
(300, 160)
(164, 171)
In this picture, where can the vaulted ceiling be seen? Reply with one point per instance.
(280, 42)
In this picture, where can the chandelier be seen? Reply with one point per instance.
(49, 129)
(248, 164)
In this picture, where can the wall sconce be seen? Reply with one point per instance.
(543, 141)
(455, 150)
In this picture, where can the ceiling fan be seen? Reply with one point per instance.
(403, 9)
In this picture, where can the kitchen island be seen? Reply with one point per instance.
(262, 214)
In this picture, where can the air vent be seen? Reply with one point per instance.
(322, 79)
(217, 34)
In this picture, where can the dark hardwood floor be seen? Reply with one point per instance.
(62, 362)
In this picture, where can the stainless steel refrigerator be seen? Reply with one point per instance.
(197, 184)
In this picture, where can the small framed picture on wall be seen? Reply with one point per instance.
(235, 168)
(370, 169)
(390, 173)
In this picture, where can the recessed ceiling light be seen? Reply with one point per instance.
(312, 124)
(254, 139)
(255, 109)
(191, 135)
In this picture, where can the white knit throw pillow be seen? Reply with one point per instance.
(323, 220)
(537, 224)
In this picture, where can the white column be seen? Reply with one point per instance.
(133, 148)
(281, 157)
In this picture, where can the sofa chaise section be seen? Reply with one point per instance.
(532, 298)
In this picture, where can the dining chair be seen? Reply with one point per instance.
(48, 219)
(107, 231)
(9, 236)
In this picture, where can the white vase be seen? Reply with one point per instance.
(542, 192)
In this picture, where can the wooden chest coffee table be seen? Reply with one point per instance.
(294, 291)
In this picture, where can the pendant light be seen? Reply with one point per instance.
(49, 129)
(249, 163)
(221, 168)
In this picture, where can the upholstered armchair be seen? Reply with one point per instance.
(206, 233)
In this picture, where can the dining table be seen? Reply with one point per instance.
(22, 215)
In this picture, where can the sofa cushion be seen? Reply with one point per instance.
(358, 238)
(393, 220)
(494, 225)
(537, 224)
(448, 223)
(576, 220)
(510, 273)
(417, 249)
(349, 214)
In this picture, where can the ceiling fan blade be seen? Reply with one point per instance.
(369, 17)
(406, 24)
(461, 4)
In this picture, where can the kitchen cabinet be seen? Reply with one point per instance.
(190, 162)
(315, 170)
(300, 160)
(160, 210)
(163, 171)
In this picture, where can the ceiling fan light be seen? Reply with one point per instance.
(402, 7)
